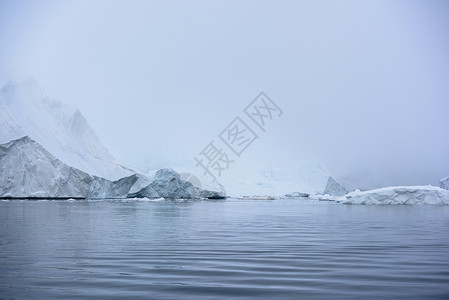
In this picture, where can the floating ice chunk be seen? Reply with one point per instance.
(399, 195)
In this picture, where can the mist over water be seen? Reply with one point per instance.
(363, 85)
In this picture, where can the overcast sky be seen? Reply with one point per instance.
(364, 85)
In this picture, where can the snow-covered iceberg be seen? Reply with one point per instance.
(399, 195)
(62, 130)
(444, 183)
(28, 170)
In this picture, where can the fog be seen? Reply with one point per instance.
(363, 85)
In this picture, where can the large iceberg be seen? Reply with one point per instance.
(25, 110)
(28, 170)
(444, 183)
(399, 195)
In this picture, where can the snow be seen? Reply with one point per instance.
(399, 195)
(444, 183)
(59, 128)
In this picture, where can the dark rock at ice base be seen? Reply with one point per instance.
(28, 170)
(297, 195)
(444, 183)
(334, 188)
(103, 188)
(167, 184)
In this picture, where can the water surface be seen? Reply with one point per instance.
(240, 249)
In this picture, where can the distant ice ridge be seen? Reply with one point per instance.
(59, 128)
(307, 177)
(399, 195)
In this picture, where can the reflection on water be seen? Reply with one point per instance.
(214, 249)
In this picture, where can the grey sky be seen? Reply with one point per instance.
(364, 85)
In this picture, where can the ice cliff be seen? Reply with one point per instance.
(28, 170)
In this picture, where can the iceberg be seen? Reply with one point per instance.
(209, 193)
(444, 183)
(334, 188)
(28, 170)
(399, 195)
(167, 184)
(62, 130)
